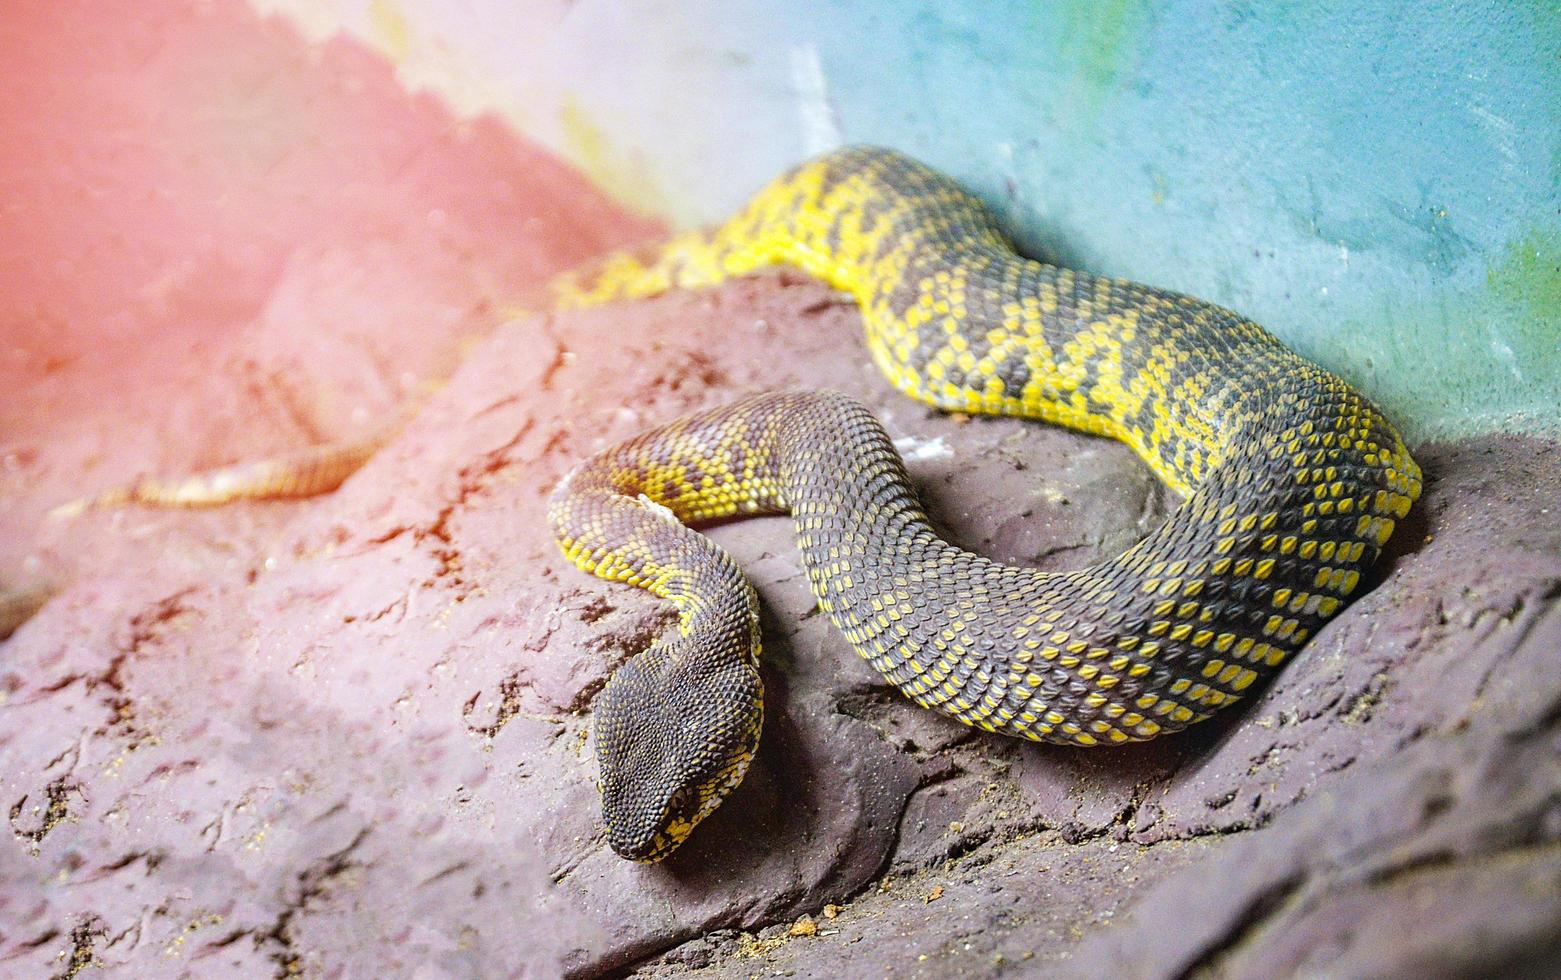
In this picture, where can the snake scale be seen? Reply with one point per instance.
(1293, 482)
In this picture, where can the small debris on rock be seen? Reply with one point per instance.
(750, 946)
(934, 895)
(804, 926)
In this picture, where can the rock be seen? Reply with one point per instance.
(382, 734)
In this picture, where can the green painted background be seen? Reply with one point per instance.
(1378, 183)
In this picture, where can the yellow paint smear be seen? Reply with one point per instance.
(622, 175)
(390, 29)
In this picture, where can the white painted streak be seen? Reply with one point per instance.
(820, 128)
(660, 510)
(916, 450)
(1505, 354)
(1500, 129)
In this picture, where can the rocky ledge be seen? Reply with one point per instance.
(365, 749)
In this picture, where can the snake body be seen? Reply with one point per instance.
(1293, 482)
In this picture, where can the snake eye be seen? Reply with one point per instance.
(682, 804)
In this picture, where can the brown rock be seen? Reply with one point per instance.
(383, 733)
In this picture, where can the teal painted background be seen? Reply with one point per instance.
(1378, 183)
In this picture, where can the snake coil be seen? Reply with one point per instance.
(1293, 482)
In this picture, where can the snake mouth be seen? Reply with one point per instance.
(653, 852)
(685, 807)
(678, 817)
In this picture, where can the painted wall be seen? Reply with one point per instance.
(1378, 183)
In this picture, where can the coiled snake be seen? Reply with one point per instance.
(1293, 483)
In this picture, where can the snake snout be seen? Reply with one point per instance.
(650, 841)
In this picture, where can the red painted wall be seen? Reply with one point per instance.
(218, 241)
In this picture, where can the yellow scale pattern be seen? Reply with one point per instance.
(1294, 482)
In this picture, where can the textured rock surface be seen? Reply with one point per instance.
(370, 748)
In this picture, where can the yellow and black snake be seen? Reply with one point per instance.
(1293, 483)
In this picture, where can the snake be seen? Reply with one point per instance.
(1292, 482)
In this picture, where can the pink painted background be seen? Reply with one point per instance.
(217, 242)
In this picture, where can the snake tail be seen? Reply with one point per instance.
(301, 473)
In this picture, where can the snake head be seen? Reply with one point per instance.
(675, 731)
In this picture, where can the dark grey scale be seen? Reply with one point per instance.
(693, 473)
(834, 235)
(985, 300)
(901, 295)
(872, 213)
(737, 457)
(1075, 305)
(842, 169)
(905, 231)
(931, 337)
(988, 288)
